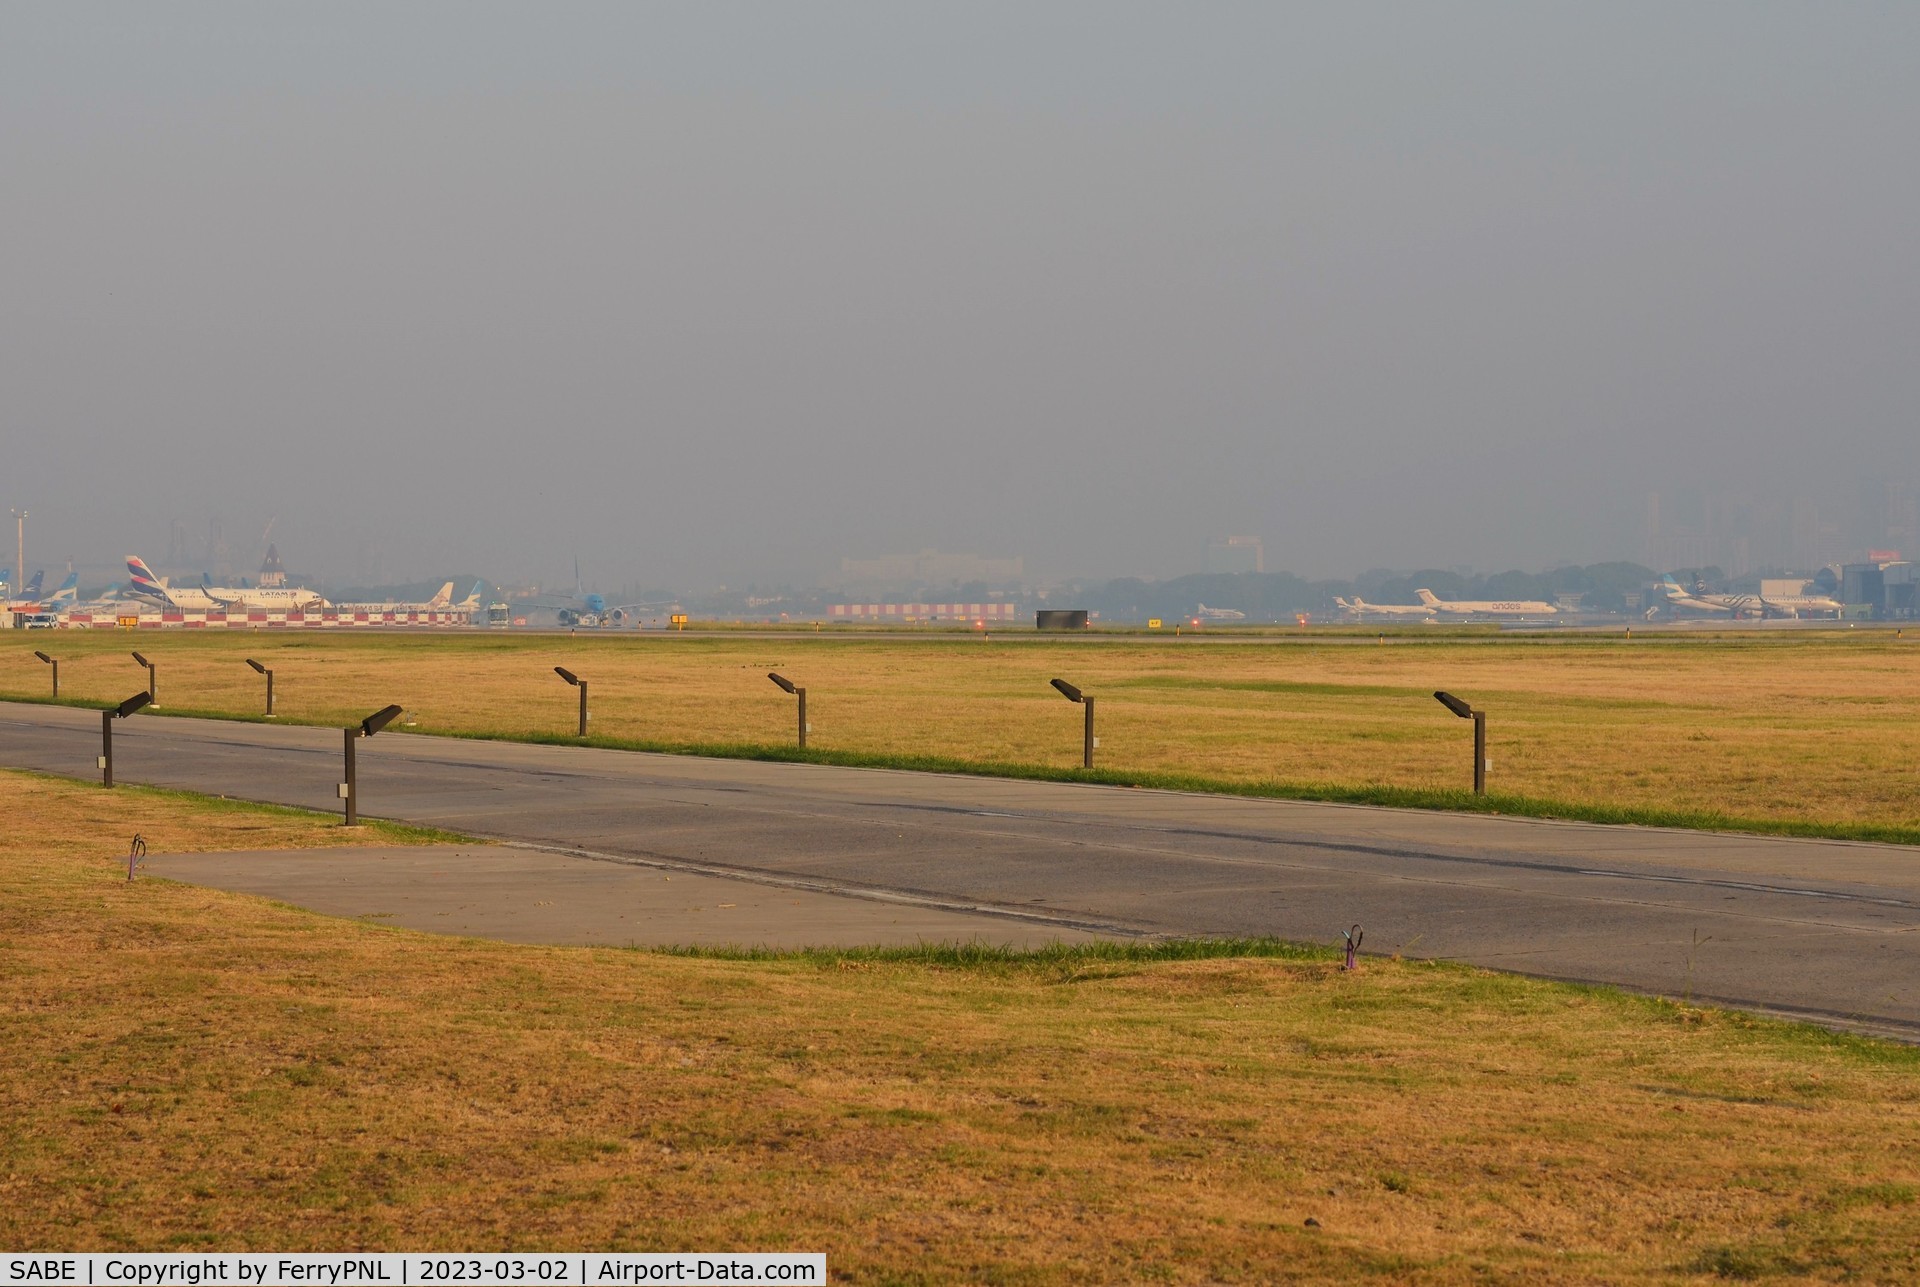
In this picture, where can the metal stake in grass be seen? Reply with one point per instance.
(1073, 694)
(1353, 937)
(801, 693)
(135, 851)
(152, 696)
(259, 669)
(350, 789)
(580, 684)
(1479, 719)
(107, 717)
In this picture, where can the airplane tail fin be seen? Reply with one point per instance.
(473, 596)
(442, 597)
(69, 591)
(33, 586)
(1427, 597)
(143, 582)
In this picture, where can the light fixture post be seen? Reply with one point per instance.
(1479, 752)
(1074, 695)
(350, 789)
(1479, 718)
(787, 685)
(259, 669)
(581, 684)
(152, 678)
(55, 663)
(122, 711)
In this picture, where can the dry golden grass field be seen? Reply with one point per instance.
(1784, 728)
(184, 1068)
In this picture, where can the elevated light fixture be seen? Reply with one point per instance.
(151, 694)
(1479, 718)
(349, 790)
(262, 670)
(56, 671)
(107, 717)
(1073, 694)
(580, 684)
(787, 685)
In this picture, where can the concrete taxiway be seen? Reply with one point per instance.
(1820, 929)
(521, 895)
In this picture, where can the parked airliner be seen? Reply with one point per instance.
(216, 598)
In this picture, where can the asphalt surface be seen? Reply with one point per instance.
(1823, 930)
(521, 895)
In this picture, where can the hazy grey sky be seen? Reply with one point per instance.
(711, 292)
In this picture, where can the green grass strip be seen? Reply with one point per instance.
(1051, 956)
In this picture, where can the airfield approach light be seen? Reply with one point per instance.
(1073, 694)
(787, 685)
(379, 719)
(580, 684)
(107, 717)
(150, 674)
(262, 670)
(350, 789)
(1479, 718)
(56, 671)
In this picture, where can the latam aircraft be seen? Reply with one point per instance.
(217, 598)
(1359, 607)
(1486, 607)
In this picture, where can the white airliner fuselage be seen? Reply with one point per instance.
(1750, 605)
(218, 598)
(1359, 607)
(1487, 607)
